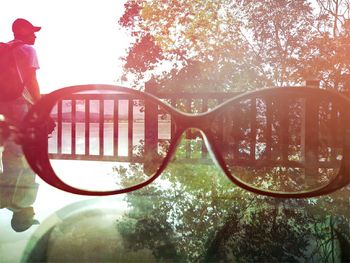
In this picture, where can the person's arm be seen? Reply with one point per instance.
(32, 84)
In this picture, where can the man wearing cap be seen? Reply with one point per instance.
(27, 64)
(14, 166)
(26, 57)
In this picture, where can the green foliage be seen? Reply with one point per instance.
(279, 31)
(200, 42)
(194, 211)
(236, 45)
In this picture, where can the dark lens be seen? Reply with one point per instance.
(107, 141)
(283, 141)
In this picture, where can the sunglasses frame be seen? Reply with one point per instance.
(35, 144)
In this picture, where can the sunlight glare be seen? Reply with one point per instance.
(80, 41)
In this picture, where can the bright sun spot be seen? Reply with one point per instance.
(80, 41)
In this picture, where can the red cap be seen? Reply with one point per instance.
(23, 27)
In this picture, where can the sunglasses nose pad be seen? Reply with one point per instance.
(194, 147)
(195, 166)
(190, 146)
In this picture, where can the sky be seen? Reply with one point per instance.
(80, 41)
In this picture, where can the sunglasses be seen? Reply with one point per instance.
(288, 142)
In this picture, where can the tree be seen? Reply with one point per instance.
(327, 58)
(234, 46)
(194, 214)
(280, 32)
(221, 45)
(333, 15)
(200, 43)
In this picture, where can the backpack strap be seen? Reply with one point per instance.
(25, 94)
(13, 45)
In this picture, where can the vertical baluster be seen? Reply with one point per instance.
(115, 127)
(130, 127)
(221, 123)
(204, 109)
(73, 127)
(151, 138)
(87, 126)
(233, 130)
(268, 132)
(284, 120)
(101, 127)
(335, 126)
(310, 139)
(188, 132)
(172, 130)
(59, 127)
(252, 128)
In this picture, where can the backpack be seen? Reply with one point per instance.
(11, 84)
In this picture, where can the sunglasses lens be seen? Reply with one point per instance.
(106, 141)
(288, 142)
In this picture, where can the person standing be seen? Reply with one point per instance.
(26, 57)
(27, 65)
(16, 173)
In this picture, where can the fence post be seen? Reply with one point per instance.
(310, 135)
(151, 133)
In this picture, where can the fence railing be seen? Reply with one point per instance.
(103, 127)
(87, 119)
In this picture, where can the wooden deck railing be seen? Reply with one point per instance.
(192, 103)
(187, 102)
